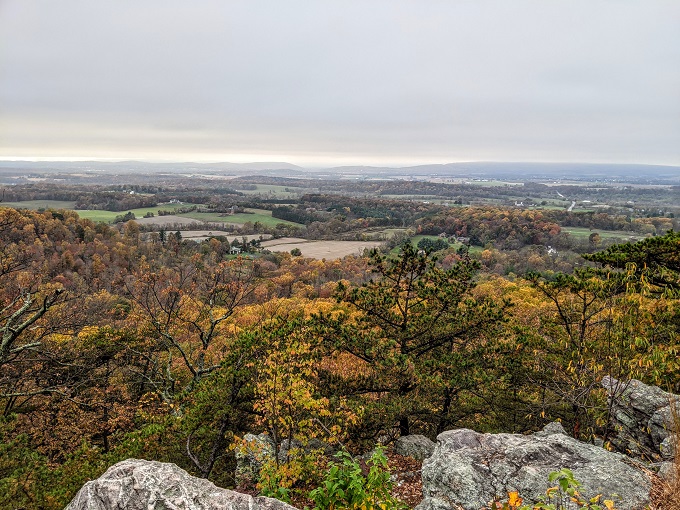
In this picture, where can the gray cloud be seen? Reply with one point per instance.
(319, 82)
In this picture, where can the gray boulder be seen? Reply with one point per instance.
(667, 471)
(642, 417)
(415, 446)
(468, 469)
(551, 428)
(257, 449)
(667, 447)
(146, 485)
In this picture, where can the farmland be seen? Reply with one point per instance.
(262, 216)
(274, 190)
(619, 235)
(202, 235)
(329, 250)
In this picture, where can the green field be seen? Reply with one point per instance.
(97, 216)
(261, 215)
(40, 204)
(139, 213)
(491, 182)
(109, 216)
(277, 191)
(387, 232)
(582, 232)
(416, 239)
(415, 197)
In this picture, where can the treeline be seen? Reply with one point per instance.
(118, 198)
(621, 196)
(295, 214)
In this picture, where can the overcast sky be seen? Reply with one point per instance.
(321, 82)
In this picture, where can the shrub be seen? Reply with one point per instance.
(345, 485)
(289, 481)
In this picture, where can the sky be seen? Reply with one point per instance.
(344, 82)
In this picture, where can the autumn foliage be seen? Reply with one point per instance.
(114, 345)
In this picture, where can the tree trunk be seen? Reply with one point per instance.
(404, 426)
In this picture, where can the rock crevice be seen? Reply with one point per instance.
(643, 418)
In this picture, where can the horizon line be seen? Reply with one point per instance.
(79, 159)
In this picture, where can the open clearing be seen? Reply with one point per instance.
(329, 250)
(97, 216)
(109, 216)
(613, 234)
(251, 215)
(263, 216)
(202, 235)
(168, 220)
(275, 191)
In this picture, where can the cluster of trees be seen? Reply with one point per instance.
(504, 228)
(119, 197)
(331, 215)
(512, 229)
(297, 214)
(604, 221)
(115, 347)
(432, 245)
(38, 192)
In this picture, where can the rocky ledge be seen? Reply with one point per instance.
(468, 469)
(145, 485)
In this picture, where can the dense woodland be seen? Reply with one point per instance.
(116, 343)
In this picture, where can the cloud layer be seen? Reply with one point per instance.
(391, 81)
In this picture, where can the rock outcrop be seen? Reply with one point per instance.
(144, 485)
(642, 416)
(469, 469)
(415, 446)
(256, 449)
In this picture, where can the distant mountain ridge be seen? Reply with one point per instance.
(130, 165)
(514, 169)
(478, 169)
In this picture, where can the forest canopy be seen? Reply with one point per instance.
(116, 344)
